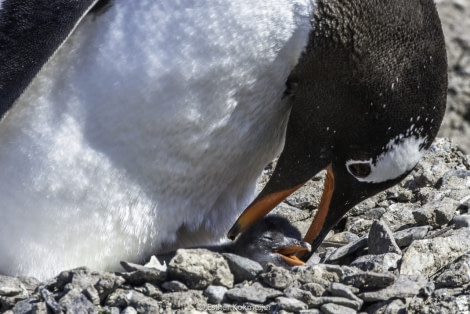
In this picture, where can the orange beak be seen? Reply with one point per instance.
(264, 205)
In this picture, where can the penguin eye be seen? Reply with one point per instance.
(360, 169)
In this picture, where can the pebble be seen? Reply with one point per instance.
(381, 239)
(215, 294)
(242, 268)
(377, 263)
(332, 308)
(199, 268)
(290, 304)
(252, 293)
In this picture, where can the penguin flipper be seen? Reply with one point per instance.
(30, 33)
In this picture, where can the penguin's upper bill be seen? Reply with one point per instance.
(369, 98)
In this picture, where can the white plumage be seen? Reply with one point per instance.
(153, 117)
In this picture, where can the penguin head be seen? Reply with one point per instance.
(368, 96)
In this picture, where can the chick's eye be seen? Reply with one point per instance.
(360, 170)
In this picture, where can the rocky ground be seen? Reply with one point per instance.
(405, 250)
(455, 17)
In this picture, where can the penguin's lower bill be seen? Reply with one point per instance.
(289, 253)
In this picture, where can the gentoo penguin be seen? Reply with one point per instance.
(132, 127)
(272, 239)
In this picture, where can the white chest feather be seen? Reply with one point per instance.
(153, 121)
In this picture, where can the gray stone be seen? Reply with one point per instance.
(405, 286)
(185, 300)
(150, 290)
(341, 290)
(317, 290)
(11, 286)
(436, 213)
(426, 257)
(310, 311)
(75, 302)
(348, 249)
(107, 283)
(92, 294)
(369, 280)
(174, 286)
(277, 277)
(299, 294)
(215, 294)
(122, 298)
(358, 225)
(381, 239)
(344, 237)
(53, 305)
(199, 268)
(129, 310)
(332, 308)
(138, 274)
(252, 293)
(407, 236)
(289, 304)
(377, 263)
(462, 221)
(456, 274)
(31, 305)
(398, 215)
(242, 268)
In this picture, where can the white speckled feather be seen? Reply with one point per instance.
(153, 116)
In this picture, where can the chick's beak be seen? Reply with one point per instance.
(291, 252)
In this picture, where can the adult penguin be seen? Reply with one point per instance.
(129, 127)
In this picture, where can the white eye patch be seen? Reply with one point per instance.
(397, 159)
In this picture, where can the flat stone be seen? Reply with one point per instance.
(75, 302)
(377, 263)
(332, 308)
(129, 310)
(122, 298)
(252, 293)
(343, 237)
(399, 214)
(462, 221)
(436, 213)
(381, 239)
(425, 257)
(138, 274)
(51, 302)
(199, 268)
(317, 290)
(277, 277)
(174, 286)
(369, 280)
(289, 304)
(189, 301)
(300, 294)
(456, 274)
(31, 305)
(352, 304)
(403, 287)
(341, 290)
(11, 286)
(348, 249)
(215, 294)
(242, 268)
(407, 236)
